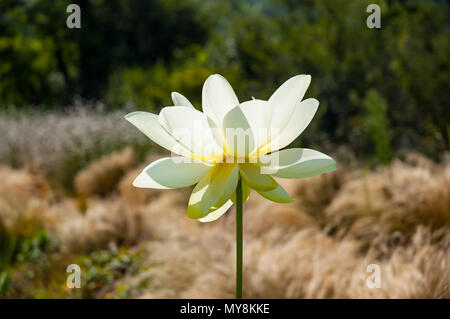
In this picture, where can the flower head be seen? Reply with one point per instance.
(229, 141)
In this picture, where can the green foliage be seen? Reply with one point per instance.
(104, 267)
(150, 88)
(42, 61)
(4, 283)
(21, 244)
(377, 127)
(163, 46)
(38, 270)
(25, 242)
(38, 60)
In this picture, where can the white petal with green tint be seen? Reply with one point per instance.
(258, 114)
(278, 195)
(217, 213)
(302, 116)
(216, 133)
(148, 124)
(297, 163)
(171, 172)
(218, 98)
(180, 100)
(252, 176)
(190, 128)
(285, 99)
(213, 190)
(239, 137)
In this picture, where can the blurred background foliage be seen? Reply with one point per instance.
(381, 90)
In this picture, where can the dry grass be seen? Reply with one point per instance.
(397, 217)
(59, 144)
(102, 176)
(22, 194)
(47, 139)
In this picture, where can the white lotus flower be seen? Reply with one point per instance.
(229, 141)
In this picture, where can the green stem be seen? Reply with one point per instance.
(239, 240)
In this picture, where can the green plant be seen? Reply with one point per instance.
(4, 283)
(23, 243)
(17, 246)
(104, 267)
(376, 126)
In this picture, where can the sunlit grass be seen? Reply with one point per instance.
(395, 216)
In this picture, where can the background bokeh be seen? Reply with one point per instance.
(67, 156)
